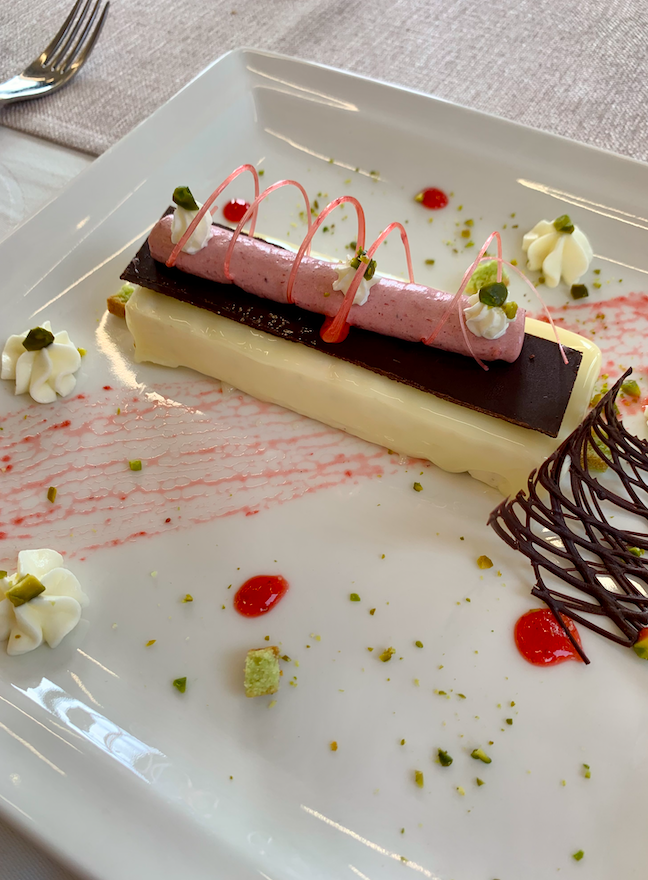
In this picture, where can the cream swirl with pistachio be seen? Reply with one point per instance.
(41, 602)
(41, 362)
(186, 209)
(346, 273)
(558, 249)
(488, 313)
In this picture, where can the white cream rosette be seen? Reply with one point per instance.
(182, 219)
(558, 254)
(45, 373)
(50, 616)
(346, 273)
(489, 322)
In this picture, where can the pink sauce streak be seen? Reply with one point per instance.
(619, 326)
(205, 454)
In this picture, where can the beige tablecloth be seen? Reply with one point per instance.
(579, 69)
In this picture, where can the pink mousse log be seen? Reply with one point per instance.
(394, 308)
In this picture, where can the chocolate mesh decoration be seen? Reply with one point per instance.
(565, 524)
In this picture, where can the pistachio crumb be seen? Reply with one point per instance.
(444, 758)
(577, 856)
(353, 597)
(135, 465)
(419, 778)
(418, 644)
(150, 642)
(188, 598)
(484, 562)
(51, 494)
(417, 487)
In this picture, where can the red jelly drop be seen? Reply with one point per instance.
(432, 198)
(542, 641)
(234, 211)
(259, 594)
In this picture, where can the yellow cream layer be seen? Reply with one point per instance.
(375, 408)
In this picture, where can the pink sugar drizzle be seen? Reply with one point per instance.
(619, 326)
(206, 454)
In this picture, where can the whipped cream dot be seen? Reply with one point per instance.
(51, 615)
(45, 373)
(558, 254)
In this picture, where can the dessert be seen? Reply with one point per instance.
(447, 406)
(41, 602)
(41, 363)
(582, 521)
(559, 249)
(262, 671)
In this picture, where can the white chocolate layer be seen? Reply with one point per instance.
(375, 408)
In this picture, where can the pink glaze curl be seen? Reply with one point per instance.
(305, 245)
(207, 205)
(337, 329)
(251, 212)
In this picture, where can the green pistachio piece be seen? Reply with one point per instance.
(180, 684)
(579, 291)
(444, 758)
(510, 310)
(361, 257)
(563, 224)
(26, 589)
(631, 388)
(480, 755)
(37, 339)
(419, 778)
(493, 294)
(183, 198)
(640, 647)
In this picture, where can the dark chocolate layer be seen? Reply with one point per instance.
(564, 524)
(533, 392)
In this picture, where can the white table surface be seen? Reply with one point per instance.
(32, 172)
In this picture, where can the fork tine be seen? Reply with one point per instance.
(87, 46)
(53, 46)
(57, 61)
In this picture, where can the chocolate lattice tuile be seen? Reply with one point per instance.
(564, 524)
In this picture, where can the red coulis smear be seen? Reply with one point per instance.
(260, 594)
(432, 198)
(234, 211)
(541, 640)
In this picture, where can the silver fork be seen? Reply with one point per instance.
(62, 59)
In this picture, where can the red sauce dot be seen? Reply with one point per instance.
(168, 519)
(259, 594)
(542, 641)
(235, 210)
(107, 388)
(6, 458)
(432, 198)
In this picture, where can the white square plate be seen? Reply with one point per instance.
(100, 757)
